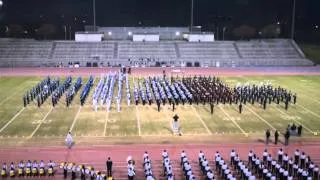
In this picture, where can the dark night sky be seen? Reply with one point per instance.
(257, 13)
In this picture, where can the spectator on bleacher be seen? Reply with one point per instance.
(109, 167)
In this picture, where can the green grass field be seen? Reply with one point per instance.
(144, 121)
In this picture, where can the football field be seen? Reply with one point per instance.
(133, 122)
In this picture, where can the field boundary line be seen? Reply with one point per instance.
(282, 112)
(105, 123)
(201, 120)
(261, 118)
(234, 122)
(75, 119)
(138, 120)
(38, 126)
(12, 119)
(313, 113)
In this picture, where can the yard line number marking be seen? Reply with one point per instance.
(38, 126)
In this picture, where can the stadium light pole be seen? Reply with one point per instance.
(191, 20)
(94, 15)
(293, 19)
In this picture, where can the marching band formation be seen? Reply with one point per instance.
(159, 90)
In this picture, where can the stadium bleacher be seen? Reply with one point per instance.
(32, 53)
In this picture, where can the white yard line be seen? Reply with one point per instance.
(234, 122)
(12, 119)
(105, 124)
(75, 119)
(313, 113)
(38, 126)
(282, 112)
(15, 93)
(138, 120)
(261, 118)
(201, 120)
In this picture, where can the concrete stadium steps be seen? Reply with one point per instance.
(162, 50)
(76, 51)
(32, 53)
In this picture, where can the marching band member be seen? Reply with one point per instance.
(41, 168)
(50, 168)
(20, 168)
(12, 170)
(28, 168)
(4, 170)
(34, 168)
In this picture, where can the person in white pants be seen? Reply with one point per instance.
(69, 140)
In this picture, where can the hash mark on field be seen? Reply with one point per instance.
(234, 122)
(282, 112)
(201, 120)
(12, 119)
(138, 120)
(105, 123)
(38, 126)
(261, 118)
(75, 119)
(313, 113)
